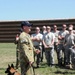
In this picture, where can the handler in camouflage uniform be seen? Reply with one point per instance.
(26, 50)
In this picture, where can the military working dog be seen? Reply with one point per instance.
(10, 70)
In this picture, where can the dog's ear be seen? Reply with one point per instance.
(12, 65)
(8, 66)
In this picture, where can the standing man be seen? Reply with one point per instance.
(69, 43)
(26, 50)
(56, 33)
(37, 42)
(43, 49)
(48, 41)
(61, 49)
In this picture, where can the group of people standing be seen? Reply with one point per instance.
(51, 40)
(47, 40)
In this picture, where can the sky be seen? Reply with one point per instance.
(36, 9)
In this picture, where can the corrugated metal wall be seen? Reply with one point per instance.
(9, 29)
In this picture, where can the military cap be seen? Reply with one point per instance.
(26, 23)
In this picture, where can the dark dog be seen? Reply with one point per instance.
(11, 71)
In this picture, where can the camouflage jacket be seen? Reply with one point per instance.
(26, 48)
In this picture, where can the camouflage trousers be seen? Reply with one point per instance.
(73, 62)
(17, 58)
(49, 53)
(38, 56)
(26, 70)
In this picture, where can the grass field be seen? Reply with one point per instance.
(8, 56)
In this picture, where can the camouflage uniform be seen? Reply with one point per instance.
(61, 47)
(73, 57)
(69, 41)
(26, 54)
(17, 56)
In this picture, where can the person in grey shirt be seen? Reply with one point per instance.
(43, 32)
(61, 49)
(56, 33)
(48, 42)
(69, 41)
(37, 42)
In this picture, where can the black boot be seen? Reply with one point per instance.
(60, 62)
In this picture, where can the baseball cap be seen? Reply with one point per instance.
(26, 23)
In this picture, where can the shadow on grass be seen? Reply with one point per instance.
(60, 72)
(65, 72)
(42, 65)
